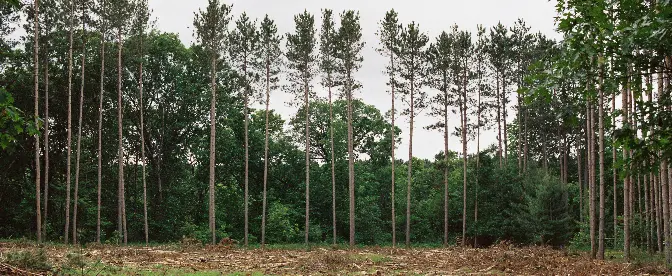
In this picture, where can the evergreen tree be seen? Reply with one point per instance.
(301, 62)
(211, 30)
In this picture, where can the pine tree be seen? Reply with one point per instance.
(103, 14)
(244, 45)
(36, 86)
(270, 55)
(71, 17)
(440, 60)
(389, 40)
(412, 71)
(211, 27)
(141, 21)
(498, 56)
(48, 12)
(301, 57)
(120, 12)
(83, 5)
(349, 47)
(328, 66)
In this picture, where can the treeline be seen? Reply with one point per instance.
(157, 120)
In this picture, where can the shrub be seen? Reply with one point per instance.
(29, 259)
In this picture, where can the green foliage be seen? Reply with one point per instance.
(12, 121)
(282, 226)
(28, 259)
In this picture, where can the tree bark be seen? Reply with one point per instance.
(46, 142)
(268, 99)
(393, 203)
(600, 107)
(36, 68)
(79, 134)
(499, 123)
(464, 156)
(410, 165)
(211, 215)
(333, 161)
(247, 150)
(100, 128)
(351, 160)
(626, 186)
(142, 142)
(307, 107)
(67, 175)
(122, 189)
(591, 182)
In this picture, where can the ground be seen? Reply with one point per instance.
(233, 260)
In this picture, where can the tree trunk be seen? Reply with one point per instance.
(100, 131)
(446, 134)
(268, 100)
(247, 151)
(504, 112)
(626, 186)
(122, 189)
(36, 65)
(393, 203)
(307, 106)
(46, 142)
(333, 161)
(578, 171)
(142, 150)
(351, 160)
(600, 107)
(67, 165)
(410, 166)
(614, 169)
(211, 215)
(463, 116)
(79, 135)
(499, 123)
(591, 181)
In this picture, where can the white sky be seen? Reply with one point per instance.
(433, 17)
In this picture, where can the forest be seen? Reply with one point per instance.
(114, 134)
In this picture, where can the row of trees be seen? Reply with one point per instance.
(559, 92)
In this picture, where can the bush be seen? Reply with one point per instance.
(29, 259)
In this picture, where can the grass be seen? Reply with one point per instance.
(28, 259)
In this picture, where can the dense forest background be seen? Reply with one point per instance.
(580, 123)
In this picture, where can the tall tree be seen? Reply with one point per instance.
(49, 13)
(482, 89)
(271, 60)
(349, 48)
(389, 40)
(103, 14)
(83, 9)
(141, 21)
(301, 62)
(498, 49)
(412, 70)
(244, 45)
(211, 30)
(440, 60)
(71, 18)
(36, 87)
(328, 66)
(121, 10)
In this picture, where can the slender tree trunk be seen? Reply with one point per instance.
(614, 169)
(393, 203)
(247, 151)
(333, 161)
(122, 189)
(591, 201)
(659, 212)
(446, 134)
(268, 100)
(67, 174)
(664, 188)
(600, 107)
(79, 135)
(351, 160)
(478, 159)
(46, 142)
(578, 171)
(142, 150)
(464, 157)
(410, 165)
(504, 113)
(100, 131)
(499, 124)
(213, 87)
(36, 65)
(626, 187)
(307, 104)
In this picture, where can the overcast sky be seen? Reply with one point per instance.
(176, 16)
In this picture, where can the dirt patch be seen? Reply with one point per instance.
(501, 259)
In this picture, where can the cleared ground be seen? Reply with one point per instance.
(231, 260)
